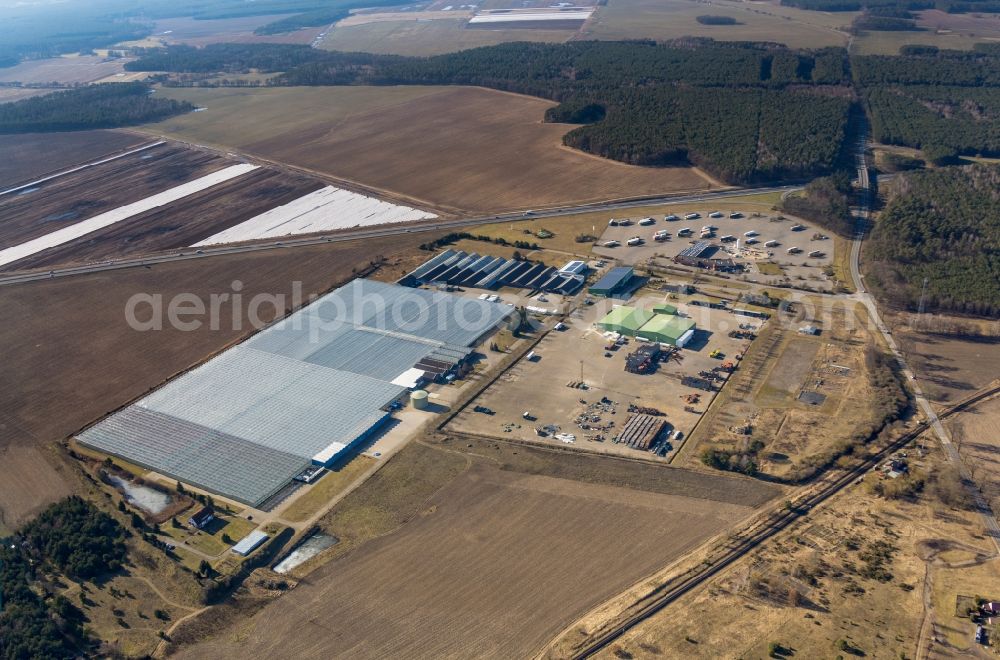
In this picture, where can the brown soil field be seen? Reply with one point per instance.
(180, 223)
(950, 368)
(421, 38)
(493, 563)
(30, 483)
(70, 357)
(8, 94)
(62, 70)
(29, 156)
(811, 587)
(194, 32)
(69, 199)
(453, 148)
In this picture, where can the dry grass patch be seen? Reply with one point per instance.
(817, 584)
(315, 496)
(409, 36)
(757, 21)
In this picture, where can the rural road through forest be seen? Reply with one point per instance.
(863, 296)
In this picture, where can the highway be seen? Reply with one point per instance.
(380, 232)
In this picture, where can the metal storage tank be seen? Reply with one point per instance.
(419, 399)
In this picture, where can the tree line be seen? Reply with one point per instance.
(944, 102)
(71, 537)
(942, 225)
(96, 106)
(742, 111)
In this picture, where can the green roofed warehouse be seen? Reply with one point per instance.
(625, 320)
(668, 329)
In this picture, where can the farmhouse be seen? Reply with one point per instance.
(302, 392)
(202, 517)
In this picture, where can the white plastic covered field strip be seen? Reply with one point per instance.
(84, 227)
(323, 210)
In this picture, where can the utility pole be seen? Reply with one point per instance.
(920, 307)
(581, 371)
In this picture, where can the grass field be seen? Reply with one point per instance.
(463, 538)
(808, 589)
(758, 21)
(950, 368)
(314, 497)
(977, 434)
(70, 357)
(427, 37)
(29, 156)
(955, 31)
(454, 148)
(763, 394)
(196, 32)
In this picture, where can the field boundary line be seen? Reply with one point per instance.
(38, 182)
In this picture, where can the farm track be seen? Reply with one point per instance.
(777, 522)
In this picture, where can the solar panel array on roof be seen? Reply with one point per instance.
(462, 269)
(695, 251)
(301, 391)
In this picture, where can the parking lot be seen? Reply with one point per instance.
(787, 232)
(549, 388)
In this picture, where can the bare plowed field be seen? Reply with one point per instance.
(69, 356)
(453, 148)
(28, 484)
(94, 190)
(494, 565)
(62, 70)
(950, 368)
(32, 155)
(181, 223)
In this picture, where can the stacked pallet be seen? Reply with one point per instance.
(641, 430)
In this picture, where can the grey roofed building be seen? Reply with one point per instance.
(300, 392)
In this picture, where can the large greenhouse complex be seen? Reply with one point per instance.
(301, 392)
